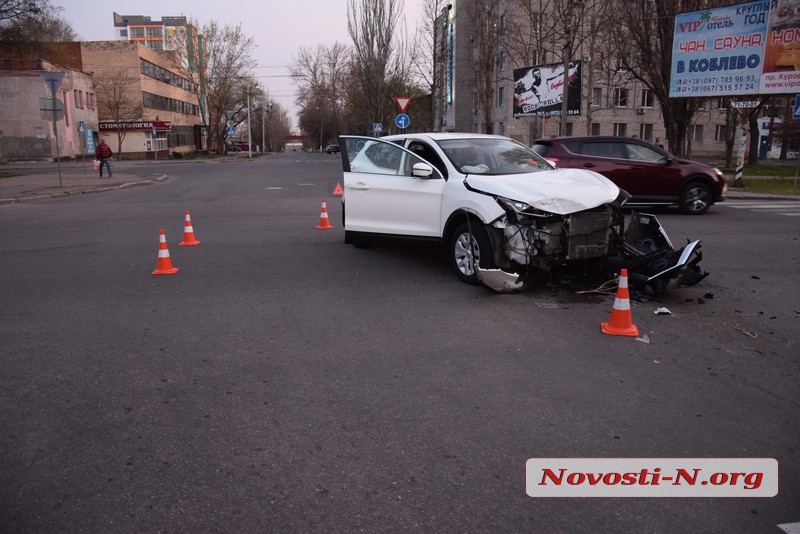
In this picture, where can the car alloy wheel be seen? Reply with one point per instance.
(695, 199)
(470, 246)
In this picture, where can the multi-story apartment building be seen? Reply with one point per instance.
(154, 34)
(611, 104)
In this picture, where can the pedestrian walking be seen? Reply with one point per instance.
(104, 154)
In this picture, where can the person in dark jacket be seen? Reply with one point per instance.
(104, 154)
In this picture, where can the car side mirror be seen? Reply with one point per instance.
(422, 170)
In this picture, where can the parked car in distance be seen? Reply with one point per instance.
(650, 174)
(332, 149)
(503, 212)
(232, 148)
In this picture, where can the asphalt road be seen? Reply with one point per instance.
(282, 381)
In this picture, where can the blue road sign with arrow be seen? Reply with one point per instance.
(796, 114)
(402, 121)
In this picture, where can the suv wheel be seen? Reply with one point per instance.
(469, 244)
(696, 198)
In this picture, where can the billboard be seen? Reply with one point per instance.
(538, 90)
(744, 49)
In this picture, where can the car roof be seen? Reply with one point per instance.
(439, 136)
(598, 138)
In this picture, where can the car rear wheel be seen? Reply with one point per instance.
(469, 245)
(696, 198)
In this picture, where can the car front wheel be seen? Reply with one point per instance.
(696, 198)
(470, 245)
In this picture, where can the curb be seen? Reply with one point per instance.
(64, 194)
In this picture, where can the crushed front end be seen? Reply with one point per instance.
(593, 242)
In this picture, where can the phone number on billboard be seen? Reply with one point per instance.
(716, 83)
(705, 89)
(714, 80)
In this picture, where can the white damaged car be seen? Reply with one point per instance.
(504, 213)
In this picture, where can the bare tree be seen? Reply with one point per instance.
(423, 49)
(320, 76)
(643, 39)
(372, 25)
(41, 24)
(486, 22)
(14, 9)
(222, 69)
(118, 97)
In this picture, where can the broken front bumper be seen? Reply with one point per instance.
(644, 250)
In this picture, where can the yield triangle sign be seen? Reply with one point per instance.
(402, 102)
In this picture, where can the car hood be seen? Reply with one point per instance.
(561, 191)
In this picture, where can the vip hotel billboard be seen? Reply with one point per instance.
(744, 49)
(538, 90)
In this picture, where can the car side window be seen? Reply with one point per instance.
(380, 157)
(642, 153)
(385, 157)
(603, 149)
(428, 154)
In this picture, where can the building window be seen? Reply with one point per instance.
(722, 104)
(137, 32)
(621, 98)
(696, 133)
(154, 32)
(595, 128)
(597, 96)
(501, 96)
(647, 98)
(65, 100)
(719, 133)
(501, 128)
(646, 132)
(163, 103)
(123, 33)
(621, 129)
(570, 129)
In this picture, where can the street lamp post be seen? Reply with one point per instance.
(249, 129)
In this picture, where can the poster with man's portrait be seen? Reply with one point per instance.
(538, 90)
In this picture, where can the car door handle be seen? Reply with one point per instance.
(589, 165)
(358, 186)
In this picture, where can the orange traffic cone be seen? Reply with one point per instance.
(324, 224)
(338, 191)
(164, 265)
(188, 233)
(620, 323)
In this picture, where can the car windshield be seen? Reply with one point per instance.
(492, 156)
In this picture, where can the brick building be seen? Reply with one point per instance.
(27, 132)
(170, 120)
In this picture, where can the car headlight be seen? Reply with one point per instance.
(719, 174)
(521, 209)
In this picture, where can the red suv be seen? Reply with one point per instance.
(651, 175)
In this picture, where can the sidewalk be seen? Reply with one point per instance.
(34, 187)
